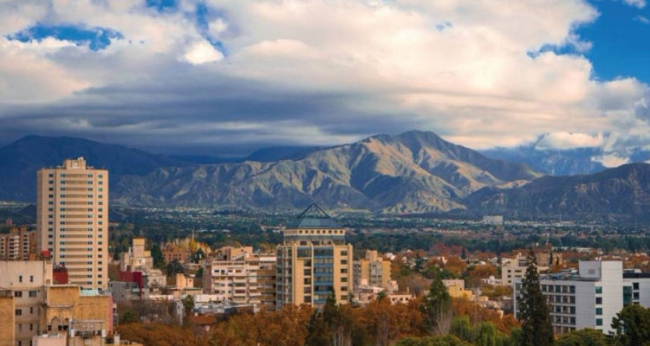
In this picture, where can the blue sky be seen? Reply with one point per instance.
(211, 76)
(621, 41)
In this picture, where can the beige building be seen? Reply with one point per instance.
(515, 268)
(137, 258)
(313, 261)
(72, 220)
(26, 281)
(67, 306)
(7, 318)
(18, 244)
(373, 271)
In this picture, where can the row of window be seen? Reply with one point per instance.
(75, 175)
(19, 294)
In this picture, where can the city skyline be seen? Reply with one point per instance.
(216, 76)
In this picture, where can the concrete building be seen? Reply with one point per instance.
(313, 261)
(7, 318)
(26, 280)
(590, 298)
(242, 277)
(18, 244)
(137, 258)
(69, 308)
(456, 289)
(373, 270)
(515, 268)
(72, 220)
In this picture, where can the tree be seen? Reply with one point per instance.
(188, 304)
(533, 308)
(583, 337)
(436, 306)
(174, 268)
(632, 326)
(128, 317)
(158, 259)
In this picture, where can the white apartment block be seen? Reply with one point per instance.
(244, 280)
(590, 298)
(72, 220)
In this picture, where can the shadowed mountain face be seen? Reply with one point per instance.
(20, 160)
(621, 193)
(413, 172)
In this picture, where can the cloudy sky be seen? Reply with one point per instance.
(224, 76)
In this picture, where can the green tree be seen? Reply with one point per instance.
(174, 267)
(632, 326)
(583, 337)
(436, 307)
(533, 308)
(158, 259)
(188, 304)
(129, 317)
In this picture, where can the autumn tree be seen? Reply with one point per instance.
(533, 308)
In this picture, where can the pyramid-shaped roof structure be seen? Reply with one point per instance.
(313, 217)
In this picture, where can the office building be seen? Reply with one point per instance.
(72, 220)
(313, 261)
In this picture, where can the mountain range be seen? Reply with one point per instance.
(414, 172)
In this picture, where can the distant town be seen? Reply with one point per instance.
(80, 272)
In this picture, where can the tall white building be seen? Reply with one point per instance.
(72, 220)
(590, 298)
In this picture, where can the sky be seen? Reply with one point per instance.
(222, 77)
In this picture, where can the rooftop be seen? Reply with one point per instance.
(313, 217)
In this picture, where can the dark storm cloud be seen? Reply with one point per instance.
(211, 115)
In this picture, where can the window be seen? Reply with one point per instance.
(599, 321)
(635, 285)
(20, 278)
(19, 312)
(18, 294)
(599, 289)
(33, 294)
(599, 300)
(31, 278)
(599, 311)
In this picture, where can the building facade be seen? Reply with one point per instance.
(18, 244)
(72, 220)
(590, 298)
(313, 262)
(26, 282)
(373, 270)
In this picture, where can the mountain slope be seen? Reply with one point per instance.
(412, 172)
(20, 160)
(621, 193)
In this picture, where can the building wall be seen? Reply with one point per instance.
(18, 244)
(7, 318)
(26, 279)
(72, 220)
(67, 302)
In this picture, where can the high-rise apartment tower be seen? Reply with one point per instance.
(313, 262)
(72, 220)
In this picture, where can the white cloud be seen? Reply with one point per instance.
(635, 3)
(611, 161)
(201, 52)
(567, 140)
(386, 63)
